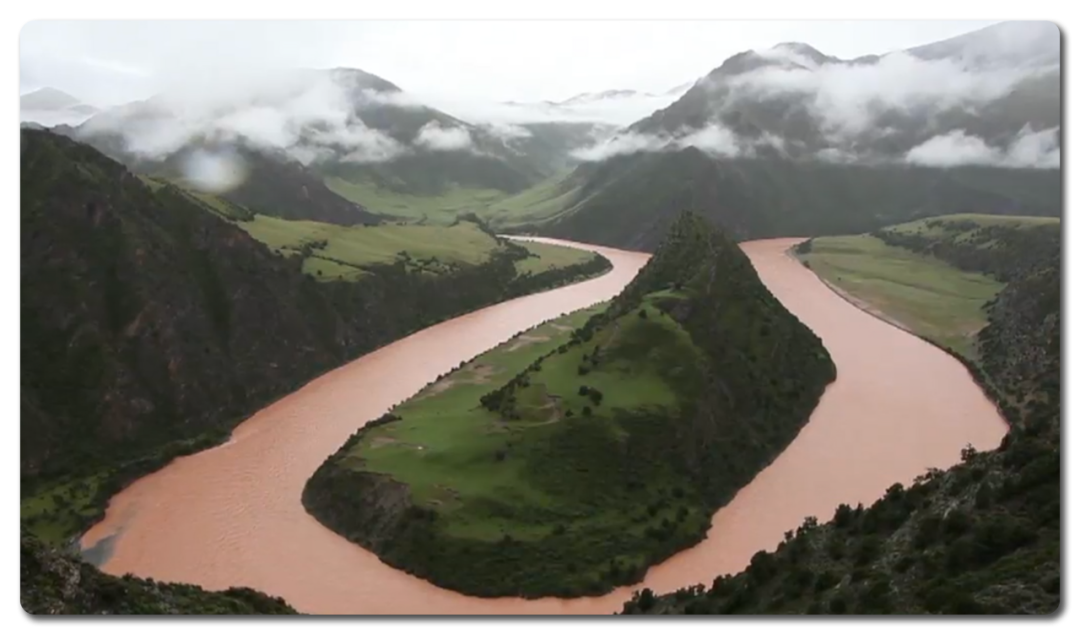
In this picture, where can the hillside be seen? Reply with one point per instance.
(151, 324)
(791, 141)
(55, 583)
(578, 454)
(983, 537)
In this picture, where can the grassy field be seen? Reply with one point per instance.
(348, 249)
(925, 227)
(550, 256)
(53, 514)
(447, 447)
(441, 209)
(539, 203)
(926, 295)
(430, 247)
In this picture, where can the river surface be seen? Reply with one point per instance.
(231, 515)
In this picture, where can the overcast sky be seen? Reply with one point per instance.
(110, 62)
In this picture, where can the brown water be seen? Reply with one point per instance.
(231, 516)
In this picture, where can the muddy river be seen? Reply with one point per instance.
(231, 515)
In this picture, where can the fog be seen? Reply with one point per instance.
(855, 104)
(268, 103)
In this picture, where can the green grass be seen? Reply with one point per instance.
(926, 295)
(350, 248)
(445, 444)
(982, 219)
(458, 436)
(53, 513)
(550, 256)
(541, 202)
(430, 247)
(442, 209)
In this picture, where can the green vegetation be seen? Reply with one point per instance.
(921, 293)
(983, 537)
(57, 583)
(576, 455)
(544, 257)
(439, 209)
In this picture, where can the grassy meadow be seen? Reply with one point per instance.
(926, 295)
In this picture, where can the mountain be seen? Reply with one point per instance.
(790, 140)
(983, 537)
(49, 107)
(597, 445)
(47, 99)
(340, 123)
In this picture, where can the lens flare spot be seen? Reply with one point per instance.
(214, 172)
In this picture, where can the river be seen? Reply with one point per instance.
(231, 515)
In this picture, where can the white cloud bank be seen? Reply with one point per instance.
(307, 116)
(715, 140)
(852, 107)
(1028, 149)
(443, 139)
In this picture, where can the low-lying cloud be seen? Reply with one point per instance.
(714, 140)
(434, 136)
(620, 111)
(851, 99)
(1029, 149)
(306, 115)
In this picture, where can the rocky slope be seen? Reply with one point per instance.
(983, 537)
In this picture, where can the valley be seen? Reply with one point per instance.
(785, 339)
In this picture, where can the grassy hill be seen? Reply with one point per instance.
(578, 454)
(140, 301)
(983, 537)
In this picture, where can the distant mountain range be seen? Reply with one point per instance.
(49, 107)
(774, 141)
(790, 140)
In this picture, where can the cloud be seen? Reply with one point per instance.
(508, 131)
(713, 139)
(621, 111)
(306, 115)
(1029, 149)
(434, 136)
(848, 99)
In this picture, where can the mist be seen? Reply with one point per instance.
(855, 106)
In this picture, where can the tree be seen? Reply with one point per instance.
(586, 411)
(642, 314)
